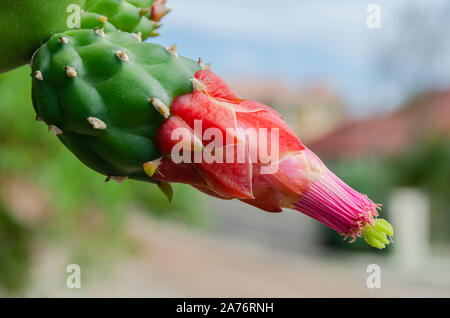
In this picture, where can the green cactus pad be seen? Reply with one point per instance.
(93, 90)
(125, 15)
(26, 24)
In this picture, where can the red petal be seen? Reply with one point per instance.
(229, 179)
(211, 112)
(158, 10)
(187, 173)
(287, 141)
(215, 86)
(164, 139)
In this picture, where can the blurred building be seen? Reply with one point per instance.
(311, 111)
(388, 134)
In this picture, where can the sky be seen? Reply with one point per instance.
(304, 42)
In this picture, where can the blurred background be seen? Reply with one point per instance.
(373, 103)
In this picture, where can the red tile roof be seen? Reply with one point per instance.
(391, 133)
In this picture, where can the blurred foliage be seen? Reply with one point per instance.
(14, 253)
(78, 198)
(426, 166)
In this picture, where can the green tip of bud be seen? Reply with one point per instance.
(379, 234)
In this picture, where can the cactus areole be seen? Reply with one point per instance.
(124, 107)
(135, 16)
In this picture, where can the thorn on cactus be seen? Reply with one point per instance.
(97, 123)
(198, 85)
(63, 40)
(55, 130)
(172, 50)
(144, 11)
(151, 167)
(154, 33)
(138, 36)
(70, 72)
(167, 190)
(203, 66)
(99, 32)
(103, 19)
(118, 180)
(122, 55)
(160, 107)
(39, 119)
(38, 76)
(156, 25)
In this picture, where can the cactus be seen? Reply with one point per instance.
(93, 90)
(117, 104)
(136, 16)
(25, 25)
